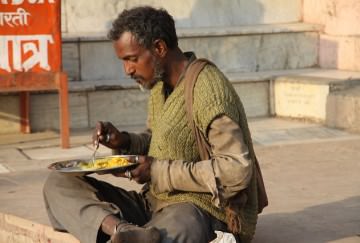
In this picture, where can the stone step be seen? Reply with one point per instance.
(124, 104)
(343, 109)
(251, 48)
(301, 93)
(118, 101)
(78, 16)
(310, 95)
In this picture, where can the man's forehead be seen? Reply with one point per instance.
(127, 38)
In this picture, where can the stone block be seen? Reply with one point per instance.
(338, 17)
(44, 111)
(255, 97)
(121, 107)
(340, 52)
(233, 53)
(79, 15)
(253, 53)
(306, 95)
(295, 98)
(71, 60)
(9, 114)
(343, 109)
(99, 62)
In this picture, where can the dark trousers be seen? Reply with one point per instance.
(79, 204)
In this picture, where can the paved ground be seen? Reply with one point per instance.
(311, 174)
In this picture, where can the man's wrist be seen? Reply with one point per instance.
(125, 141)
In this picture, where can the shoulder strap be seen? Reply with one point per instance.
(190, 78)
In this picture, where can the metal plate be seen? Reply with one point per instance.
(73, 166)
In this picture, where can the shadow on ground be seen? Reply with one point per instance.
(320, 223)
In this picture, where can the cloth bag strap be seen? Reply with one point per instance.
(190, 78)
(204, 147)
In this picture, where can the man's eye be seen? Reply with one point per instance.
(133, 59)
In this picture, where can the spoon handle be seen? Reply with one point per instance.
(96, 148)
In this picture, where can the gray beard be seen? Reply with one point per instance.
(158, 76)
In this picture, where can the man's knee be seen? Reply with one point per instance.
(183, 222)
(59, 182)
(51, 182)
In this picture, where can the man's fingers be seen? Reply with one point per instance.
(103, 131)
(101, 138)
(97, 133)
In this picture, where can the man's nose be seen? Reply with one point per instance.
(129, 69)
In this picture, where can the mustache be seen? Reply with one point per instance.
(136, 77)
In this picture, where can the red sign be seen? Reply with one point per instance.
(30, 36)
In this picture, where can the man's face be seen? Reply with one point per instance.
(139, 63)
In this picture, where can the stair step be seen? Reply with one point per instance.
(343, 109)
(209, 31)
(234, 49)
(79, 15)
(306, 95)
(302, 93)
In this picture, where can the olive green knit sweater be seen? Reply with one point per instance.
(173, 139)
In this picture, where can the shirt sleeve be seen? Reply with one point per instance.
(227, 172)
(139, 144)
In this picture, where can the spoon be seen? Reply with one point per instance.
(96, 148)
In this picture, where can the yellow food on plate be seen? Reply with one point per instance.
(105, 163)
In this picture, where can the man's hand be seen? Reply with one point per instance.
(107, 134)
(141, 174)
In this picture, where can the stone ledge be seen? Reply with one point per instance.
(307, 75)
(343, 109)
(249, 30)
(235, 77)
(210, 31)
(306, 95)
(95, 85)
(14, 229)
(335, 79)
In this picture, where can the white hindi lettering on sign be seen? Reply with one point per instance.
(18, 2)
(37, 45)
(13, 19)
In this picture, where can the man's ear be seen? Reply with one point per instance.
(160, 48)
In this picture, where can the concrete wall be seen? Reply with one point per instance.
(9, 113)
(340, 41)
(96, 16)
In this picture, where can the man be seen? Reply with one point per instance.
(185, 199)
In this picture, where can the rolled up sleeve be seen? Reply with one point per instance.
(139, 144)
(227, 172)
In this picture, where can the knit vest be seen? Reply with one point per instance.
(173, 139)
